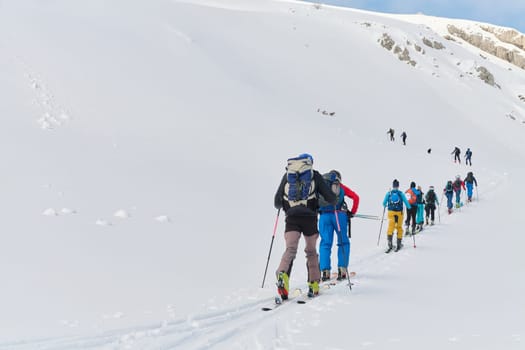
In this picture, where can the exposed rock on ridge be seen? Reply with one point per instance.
(514, 56)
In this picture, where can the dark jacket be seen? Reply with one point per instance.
(321, 187)
(471, 180)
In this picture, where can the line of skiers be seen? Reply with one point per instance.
(314, 205)
(455, 187)
(457, 156)
(395, 200)
(391, 133)
(456, 152)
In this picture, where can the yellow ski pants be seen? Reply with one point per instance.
(395, 222)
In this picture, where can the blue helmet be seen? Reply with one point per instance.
(306, 155)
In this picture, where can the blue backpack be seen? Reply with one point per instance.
(300, 187)
(395, 203)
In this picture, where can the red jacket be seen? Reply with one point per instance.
(355, 198)
(457, 187)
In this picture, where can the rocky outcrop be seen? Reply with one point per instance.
(509, 36)
(402, 53)
(514, 56)
(433, 44)
(387, 42)
(486, 76)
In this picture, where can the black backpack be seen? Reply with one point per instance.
(430, 197)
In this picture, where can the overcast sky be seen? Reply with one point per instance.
(508, 13)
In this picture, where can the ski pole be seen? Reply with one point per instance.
(439, 215)
(365, 216)
(340, 236)
(271, 245)
(337, 221)
(414, 238)
(477, 196)
(349, 224)
(344, 253)
(381, 227)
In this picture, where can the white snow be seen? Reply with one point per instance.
(206, 100)
(121, 214)
(163, 218)
(50, 212)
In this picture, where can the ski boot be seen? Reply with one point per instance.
(342, 273)
(325, 275)
(432, 223)
(283, 285)
(457, 205)
(426, 221)
(399, 244)
(313, 289)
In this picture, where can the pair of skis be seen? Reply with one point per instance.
(301, 297)
(396, 249)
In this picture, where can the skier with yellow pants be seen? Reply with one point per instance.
(394, 200)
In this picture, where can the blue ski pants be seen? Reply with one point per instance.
(449, 199)
(327, 225)
(458, 196)
(470, 186)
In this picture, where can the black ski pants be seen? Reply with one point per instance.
(411, 215)
(429, 211)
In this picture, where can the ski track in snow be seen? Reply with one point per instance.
(211, 329)
(54, 114)
(195, 332)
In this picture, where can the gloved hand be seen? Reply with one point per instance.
(350, 214)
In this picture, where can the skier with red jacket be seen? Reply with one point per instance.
(457, 185)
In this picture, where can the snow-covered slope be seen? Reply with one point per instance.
(143, 143)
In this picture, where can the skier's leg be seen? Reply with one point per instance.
(312, 259)
(343, 243)
(326, 231)
(292, 242)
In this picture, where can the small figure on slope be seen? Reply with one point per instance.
(391, 133)
(470, 181)
(411, 195)
(431, 202)
(468, 157)
(457, 154)
(458, 185)
(420, 214)
(448, 191)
